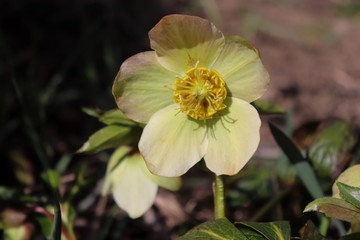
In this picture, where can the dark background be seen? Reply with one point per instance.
(64, 55)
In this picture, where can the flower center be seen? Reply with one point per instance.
(200, 93)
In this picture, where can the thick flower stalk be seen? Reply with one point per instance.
(133, 187)
(194, 92)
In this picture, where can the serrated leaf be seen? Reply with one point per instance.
(335, 208)
(310, 232)
(108, 137)
(219, 229)
(266, 107)
(271, 231)
(302, 167)
(349, 193)
(330, 146)
(115, 116)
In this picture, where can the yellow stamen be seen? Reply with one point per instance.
(200, 93)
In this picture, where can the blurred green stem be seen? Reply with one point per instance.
(324, 225)
(219, 197)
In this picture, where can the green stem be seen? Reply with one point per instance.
(219, 197)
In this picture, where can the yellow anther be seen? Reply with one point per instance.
(200, 93)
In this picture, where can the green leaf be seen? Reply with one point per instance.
(349, 193)
(330, 146)
(266, 107)
(108, 137)
(271, 231)
(335, 208)
(308, 178)
(56, 228)
(20, 232)
(219, 229)
(45, 224)
(302, 167)
(310, 232)
(288, 147)
(91, 112)
(350, 176)
(63, 162)
(53, 176)
(252, 234)
(115, 116)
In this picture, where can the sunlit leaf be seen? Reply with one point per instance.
(108, 137)
(350, 176)
(271, 231)
(310, 232)
(115, 116)
(266, 107)
(22, 232)
(331, 145)
(219, 229)
(349, 193)
(335, 208)
(91, 112)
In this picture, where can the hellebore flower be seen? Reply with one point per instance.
(134, 188)
(194, 92)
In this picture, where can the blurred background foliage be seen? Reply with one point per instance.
(57, 57)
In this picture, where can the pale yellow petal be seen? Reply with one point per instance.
(112, 169)
(134, 192)
(171, 142)
(233, 137)
(170, 183)
(242, 70)
(141, 86)
(180, 41)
